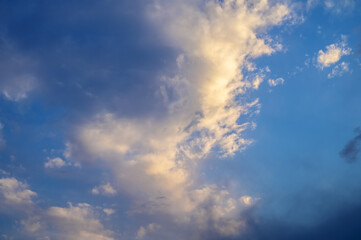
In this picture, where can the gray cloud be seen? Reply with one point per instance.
(352, 149)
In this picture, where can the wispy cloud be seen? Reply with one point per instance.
(352, 149)
(17, 72)
(275, 82)
(333, 6)
(339, 70)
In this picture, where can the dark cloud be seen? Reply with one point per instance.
(102, 57)
(342, 225)
(352, 149)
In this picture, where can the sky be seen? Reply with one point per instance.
(180, 119)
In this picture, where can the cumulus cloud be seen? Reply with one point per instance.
(155, 158)
(15, 193)
(54, 163)
(105, 189)
(77, 222)
(333, 54)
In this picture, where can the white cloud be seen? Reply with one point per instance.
(108, 211)
(339, 70)
(143, 231)
(275, 82)
(105, 189)
(77, 223)
(248, 200)
(333, 54)
(15, 193)
(19, 88)
(155, 158)
(32, 224)
(54, 163)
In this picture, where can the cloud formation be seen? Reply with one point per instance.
(77, 222)
(333, 6)
(105, 189)
(333, 54)
(339, 70)
(72, 222)
(54, 163)
(15, 193)
(352, 149)
(156, 159)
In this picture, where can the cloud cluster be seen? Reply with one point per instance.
(155, 159)
(72, 222)
(333, 54)
(77, 222)
(15, 193)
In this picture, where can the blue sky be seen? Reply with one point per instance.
(182, 119)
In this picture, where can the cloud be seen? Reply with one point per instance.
(339, 6)
(333, 6)
(275, 82)
(143, 231)
(333, 54)
(155, 157)
(15, 193)
(54, 163)
(339, 70)
(109, 211)
(17, 72)
(105, 189)
(77, 222)
(352, 149)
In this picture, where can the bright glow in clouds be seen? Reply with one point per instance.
(155, 159)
